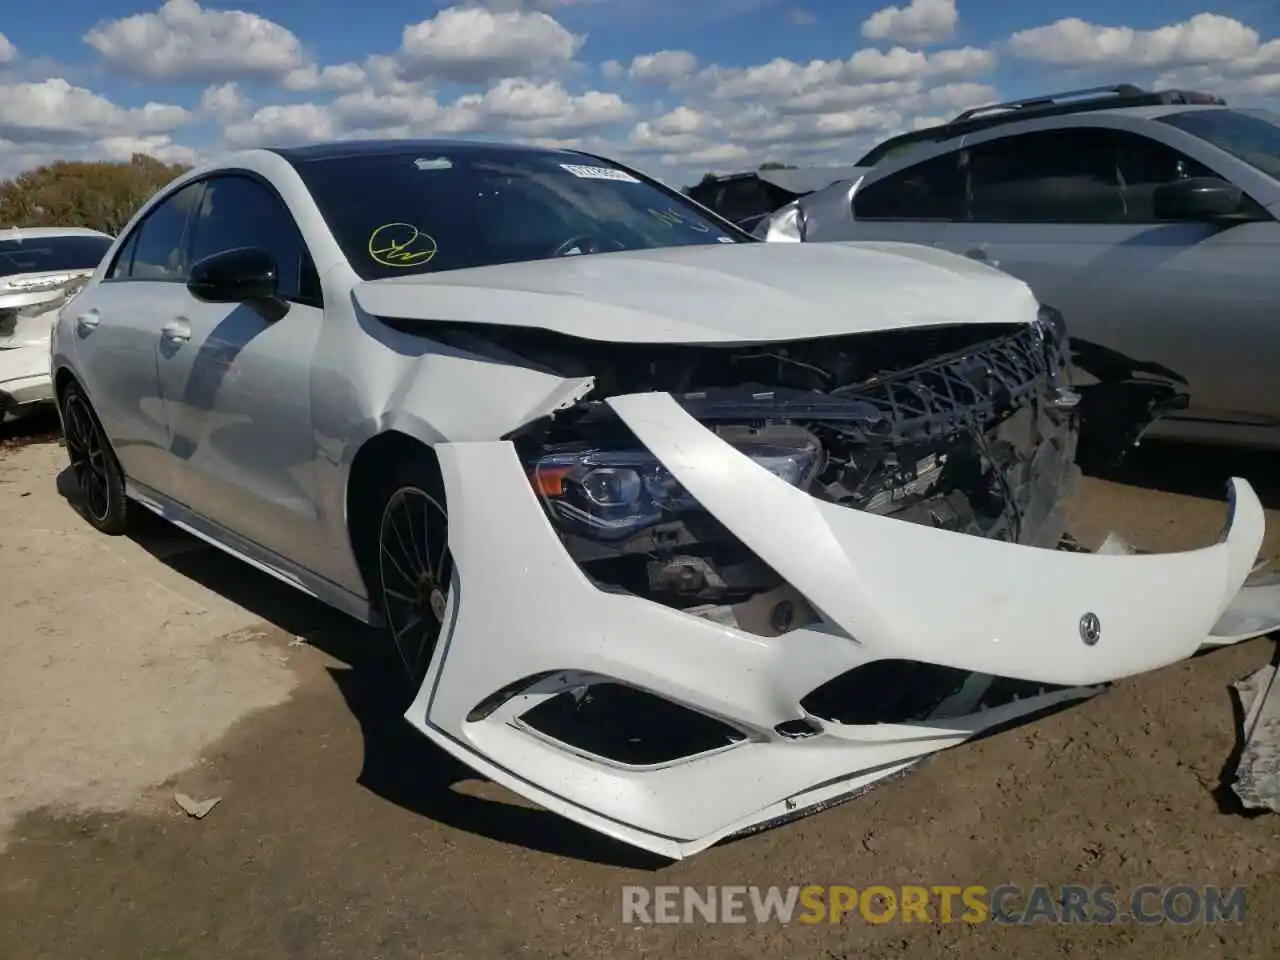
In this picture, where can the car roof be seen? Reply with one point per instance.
(345, 149)
(45, 233)
(1117, 100)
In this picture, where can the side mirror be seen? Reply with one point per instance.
(1197, 198)
(240, 275)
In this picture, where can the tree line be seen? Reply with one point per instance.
(100, 195)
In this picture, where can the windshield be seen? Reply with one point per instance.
(1249, 135)
(49, 254)
(472, 206)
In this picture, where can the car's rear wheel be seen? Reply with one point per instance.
(99, 480)
(414, 570)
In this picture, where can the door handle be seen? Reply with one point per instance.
(178, 331)
(87, 322)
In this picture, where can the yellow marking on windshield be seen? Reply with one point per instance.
(673, 217)
(401, 245)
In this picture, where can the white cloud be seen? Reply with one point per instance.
(1204, 38)
(612, 69)
(342, 77)
(183, 41)
(225, 102)
(920, 22)
(8, 52)
(280, 125)
(516, 107)
(53, 112)
(527, 108)
(666, 67)
(474, 45)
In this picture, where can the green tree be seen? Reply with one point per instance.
(101, 196)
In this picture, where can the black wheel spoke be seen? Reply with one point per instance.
(413, 590)
(87, 453)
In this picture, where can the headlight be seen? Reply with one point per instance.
(784, 225)
(1051, 324)
(613, 494)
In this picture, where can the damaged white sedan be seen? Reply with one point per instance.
(677, 533)
(41, 268)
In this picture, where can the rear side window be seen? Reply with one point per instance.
(157, 246)
(924, 191)
(239, 211)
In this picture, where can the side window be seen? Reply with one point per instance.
(924, 191)
(157, 247)
(1146, 164)
(1054, 176)
(123, 264)
(238, 211)
(1071, 176)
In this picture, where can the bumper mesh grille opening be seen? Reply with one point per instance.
(629, 726)
(908, 691)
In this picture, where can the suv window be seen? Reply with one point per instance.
(239, 211)
(1070, 176)
(924, 191)
(154, 252)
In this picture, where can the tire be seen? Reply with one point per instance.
(100, 496)
(412, 566)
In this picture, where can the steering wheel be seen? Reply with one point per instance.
(586, 242)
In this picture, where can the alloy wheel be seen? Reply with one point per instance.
(88, 455)
(414, 569)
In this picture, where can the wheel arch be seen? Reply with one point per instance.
(373, 469)
(63, 378)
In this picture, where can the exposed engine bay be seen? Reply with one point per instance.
(969, 429)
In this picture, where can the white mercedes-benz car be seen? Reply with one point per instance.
(678, 533)
(41, 268)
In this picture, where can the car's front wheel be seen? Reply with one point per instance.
(100, 496)
(415, 570)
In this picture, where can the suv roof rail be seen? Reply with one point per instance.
(1051, 99)
(1112, 97)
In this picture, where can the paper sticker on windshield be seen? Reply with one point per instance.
(433, 163)
(599, 173)
(401, 245)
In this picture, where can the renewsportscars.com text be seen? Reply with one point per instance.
(1006, 904)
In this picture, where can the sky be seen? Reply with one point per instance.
(674, 87)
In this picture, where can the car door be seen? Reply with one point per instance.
(1071, 212)
(236, 379)
(117, 327)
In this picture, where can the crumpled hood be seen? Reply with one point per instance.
(723, 293)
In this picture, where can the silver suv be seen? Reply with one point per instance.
(1148, 219)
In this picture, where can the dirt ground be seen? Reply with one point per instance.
(134, 667)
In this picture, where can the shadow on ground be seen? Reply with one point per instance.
(400, 765)
(36, 426)
(1197, 470)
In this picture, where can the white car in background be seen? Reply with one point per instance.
(41, 268)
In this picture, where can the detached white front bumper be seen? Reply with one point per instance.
(521, 608)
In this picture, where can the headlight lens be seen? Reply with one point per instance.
(1051, 324)
(613, 494)
(783, 225)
